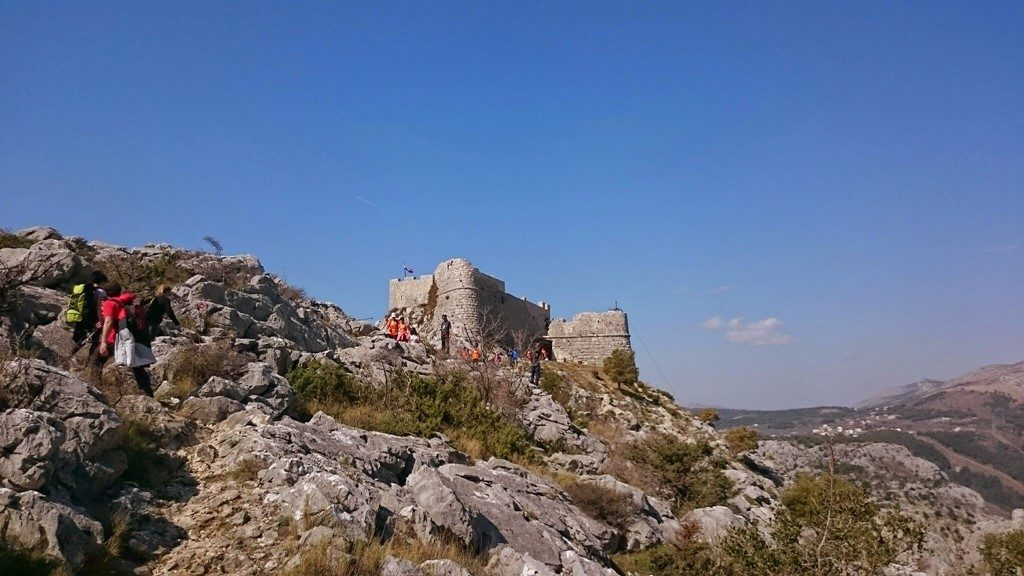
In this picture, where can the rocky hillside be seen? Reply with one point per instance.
(234, 469)
(971, 427)
(287, 438)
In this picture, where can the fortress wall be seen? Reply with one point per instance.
(590, 336)
(409, 292)
(522, 315)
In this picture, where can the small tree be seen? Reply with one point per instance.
(218, 249)
(709, 416)
(620, 367)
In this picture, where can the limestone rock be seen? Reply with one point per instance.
(48, 263)
(40, 233)
(395, 567)
(713, 522)
(29, 443)
(210, 410)
(88, 460)
(443, 567)
(29, 520)
(497, 502)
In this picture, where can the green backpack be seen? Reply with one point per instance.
(76, 305)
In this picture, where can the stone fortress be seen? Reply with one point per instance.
(477, 303)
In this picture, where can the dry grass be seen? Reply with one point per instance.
(246, 470)
(601, 503)
(194, 364)
(366, 558)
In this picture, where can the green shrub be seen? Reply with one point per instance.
(687, 558)
(555, 385)
(1004, 553)
(620, 367)
(412, 405)
(687, 473)
(325, 382)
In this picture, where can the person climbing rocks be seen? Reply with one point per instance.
(474, 354)
(114, 311)
(446, 333)
(88, 327)
(535, 356)
(159, 307)
(513, 357)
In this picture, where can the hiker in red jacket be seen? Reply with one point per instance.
(113, 312)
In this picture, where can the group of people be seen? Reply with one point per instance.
(99, 309)
(396, 327)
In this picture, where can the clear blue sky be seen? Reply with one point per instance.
(853, 170)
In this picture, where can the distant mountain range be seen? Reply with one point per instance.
(972, 427)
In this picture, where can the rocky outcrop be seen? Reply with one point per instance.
(48, 263)
(70, 421)
(30, 520)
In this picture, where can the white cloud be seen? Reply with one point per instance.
(713, 323)
(767, 332)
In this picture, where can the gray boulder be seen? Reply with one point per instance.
(210, 410)
(48, 263)
(29, 443)
(498, 503)
(713, 522)
(29, 520)
(88, 459)
(40, 233)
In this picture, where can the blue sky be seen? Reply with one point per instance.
(797, 204)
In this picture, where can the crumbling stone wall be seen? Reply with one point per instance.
(590, 336)
(473, 301)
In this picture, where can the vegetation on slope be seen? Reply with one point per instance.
(413, 405)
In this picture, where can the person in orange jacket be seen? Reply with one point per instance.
(391, 326)
(474, 355)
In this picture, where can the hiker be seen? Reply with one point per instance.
(414, 335)
(497, 357)
(474, 355)
(159, 307)
(446, 333)
(114, 310)
(84, 312)
(403, 330)
(535, 355)
(513, 357)
(391, 326)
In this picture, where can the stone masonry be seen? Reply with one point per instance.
(477, 303)
(474, 302)
(590, 336)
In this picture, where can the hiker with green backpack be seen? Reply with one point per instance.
(83, 312)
